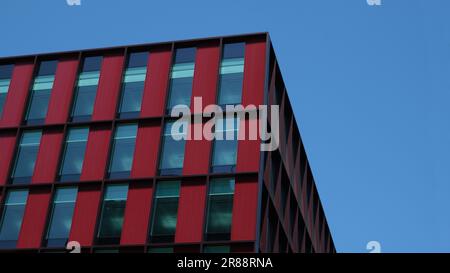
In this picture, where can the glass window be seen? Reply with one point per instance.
(231, 74)
(61, 217)
(225, 145)
(113, 210)
(181, 78)
(12, 216)
(41, 92)
(172, 156)
(220, 208)
(123, 151)
(165, 210)
(5, 80)
(26, 157)
(86, 89)
(160, 250)
(216, 249)
(133, 85)
(73, 157)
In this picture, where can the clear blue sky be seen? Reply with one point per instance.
(370, 88)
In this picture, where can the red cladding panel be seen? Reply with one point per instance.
(96, 153)
(191, 209)
(59, 104)
(85, 215)
(158, 69)
(254, 73)
(243, 227)
(34, 218)
(108, 88)
(137, 215)
(197, 152)
(17, 95)
(146, 152)
(48, 157)
(7, 145)
(248, 150)
(205, 75)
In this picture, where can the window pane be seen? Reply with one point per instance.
(220, 208)
(40, 97)
(225, 145)
(217, 249)
(231, 74)
(5, 80)
(86, 90)
(181, 78)
(160, 250)
(123, 151)
(11, 221)
(74, 154)
(113, 210)
(61, 217)
(26, 157)
(172, 151)
(165, 211)
(133, 84)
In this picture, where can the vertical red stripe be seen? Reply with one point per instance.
(158, 69)
(254, 73)
(59, 104)
(96, 154)
(85, 215)
(137, 215)
(248, 152)
(17, 95)
(206, 73)
(33, 223)
(245, 202)
(191, 209)
(7, 144)
(146, 151)
(48, 157)
(197, 152)
(108, 88)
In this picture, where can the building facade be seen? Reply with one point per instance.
(88, 153)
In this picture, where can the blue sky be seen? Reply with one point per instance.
(370, 87)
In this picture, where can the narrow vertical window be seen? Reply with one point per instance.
(220, 208)
(225, 145)
(165, 211)
(26, 157)
(73, 157)
(133, 85)
(61, 217)
(172, 156)
(231, 74)
(5, 80)
(123, 151)
(86, 89)
(41, 92)
(181, 78)
(113, 210)
(12, 217)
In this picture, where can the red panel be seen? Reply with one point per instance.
(17, 95)
(205, 76)
(85, 215)
(48, 157)
(96, 153)
(108, 88)
(34, 218)
(7, 145)
(154, 98)
(59, 104)
(191, 210)
(146, 152)
(245, 202)
(254, 73)
(137, 215)
(197, 153)
(248, 152)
